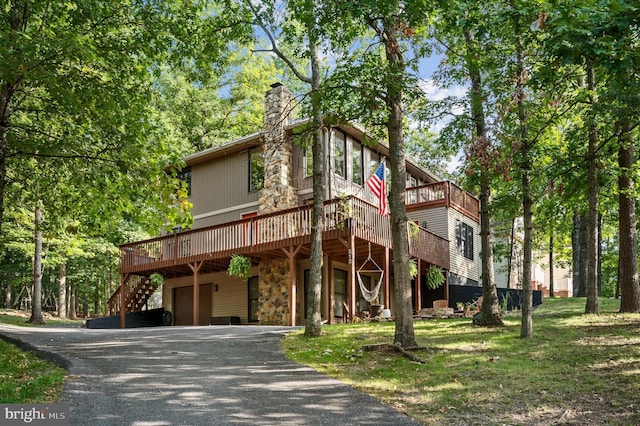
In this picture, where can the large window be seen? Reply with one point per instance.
(339, 157)
(254, 294)
(356, 162)
(256, 170)
(464, 239)
(340, 294)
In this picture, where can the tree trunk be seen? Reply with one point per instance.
(578, 244)
(36, 301)
(72, 302)
(511, 246)
(627, 225)
(526, 328)
(85, 301)
(551, 285)
(62, 290)
(591, 306)
(7, 295)
(314, 293)
(490, 313)
(404, 332)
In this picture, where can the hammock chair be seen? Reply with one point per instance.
(370, 295)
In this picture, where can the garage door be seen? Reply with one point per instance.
(183, 305)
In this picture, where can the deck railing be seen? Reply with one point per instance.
(448, 193)
(252, 234)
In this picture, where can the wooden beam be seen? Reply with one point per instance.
(124, 280)
(387, 273)
(195, 268)
(352, 277)
(419, 285)
(330, 289)
(293, 284)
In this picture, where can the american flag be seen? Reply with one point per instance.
(377, 185)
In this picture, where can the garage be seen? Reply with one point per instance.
(183, 305)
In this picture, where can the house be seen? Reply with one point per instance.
(508, 265)
(253, 196)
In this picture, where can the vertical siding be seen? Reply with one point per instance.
(220, 184)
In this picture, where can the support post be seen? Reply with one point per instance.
(387, 272)
(293, 282)
(330, 289)
(419, 285)
(124, 279)
(195, 268)
(352, 276)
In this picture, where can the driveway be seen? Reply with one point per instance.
(216, 375)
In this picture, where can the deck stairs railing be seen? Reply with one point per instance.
(137, 293)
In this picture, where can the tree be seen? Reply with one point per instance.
(461, 31)
(305, 12)
(374, 83)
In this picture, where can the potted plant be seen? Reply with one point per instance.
(344, 212)
(376, 308)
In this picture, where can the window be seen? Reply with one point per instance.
(356, 162)
(339, 148)
(185, 176)
(254, 294)
(308, 162)
(256, 170)
(339, 291)
(464, 239)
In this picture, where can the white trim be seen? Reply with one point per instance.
(227, 210)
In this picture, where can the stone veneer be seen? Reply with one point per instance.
(273, 285)
(277, 193)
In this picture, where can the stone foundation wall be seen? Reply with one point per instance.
(273, 284)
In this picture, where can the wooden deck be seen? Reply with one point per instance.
(443, 194)
(266, 236)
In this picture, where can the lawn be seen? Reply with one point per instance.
(578, 369)
(25, 378)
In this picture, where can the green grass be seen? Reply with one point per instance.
(10, 317)
(25, 378)
(578, 369)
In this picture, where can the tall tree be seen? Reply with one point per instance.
(376, 84)
(305, 14)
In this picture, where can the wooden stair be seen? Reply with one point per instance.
(137, 293)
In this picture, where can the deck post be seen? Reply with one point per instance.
(330, 289)
(387, 271)
(293, 282)
(419, 285)
(195, 268)
(353, 288)
(124, 279)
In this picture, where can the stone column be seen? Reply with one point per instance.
(277, 193)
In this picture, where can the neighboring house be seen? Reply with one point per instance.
(510, 238)
(253, 196)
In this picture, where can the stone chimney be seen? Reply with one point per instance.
(277, 193)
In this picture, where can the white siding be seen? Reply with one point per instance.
(436, 219)
(460, 265)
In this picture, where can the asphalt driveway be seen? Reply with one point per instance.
(216, 375)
